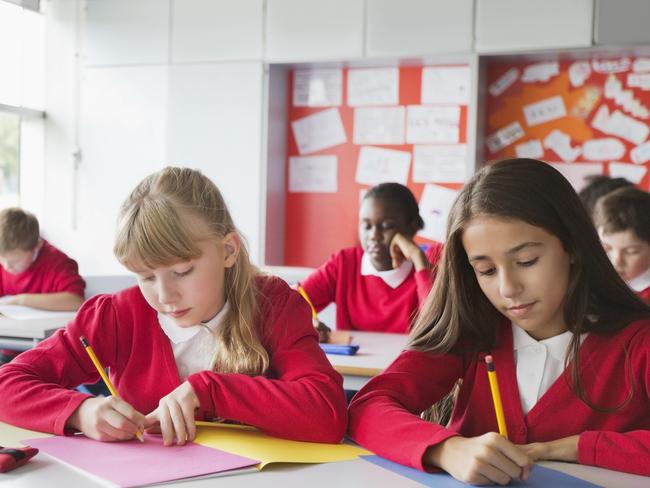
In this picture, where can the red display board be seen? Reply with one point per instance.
(318, 224)
(572, 112)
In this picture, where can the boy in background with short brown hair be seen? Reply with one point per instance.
(32, 271)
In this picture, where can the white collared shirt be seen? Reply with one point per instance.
(392, 277)
(641, 282)
(194, 347)
(539, 363)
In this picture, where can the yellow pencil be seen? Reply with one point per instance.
(102, 373)
(302, 291)
(496, 396)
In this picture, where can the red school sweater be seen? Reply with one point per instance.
(384, 416)
(51, 272)
(366, 302)
(300, 397)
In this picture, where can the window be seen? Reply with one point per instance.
(9, 158)
(22, 90)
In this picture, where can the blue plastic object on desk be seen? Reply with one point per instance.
(344, 349)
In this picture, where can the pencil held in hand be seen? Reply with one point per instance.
(102, 373)
(303, 293)
(496, 396)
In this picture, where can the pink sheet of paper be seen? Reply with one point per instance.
(134, 463)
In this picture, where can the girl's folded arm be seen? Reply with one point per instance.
(385, 414)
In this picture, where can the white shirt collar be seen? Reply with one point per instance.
(178, 334)
(641, 282)
(392, 277)
(556, 346)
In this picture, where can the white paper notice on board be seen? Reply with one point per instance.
(318, 131)
(577, 173)
(445, 85)
(504, 136)
(314, 174)
(579, 71)
(560, 143)
(435, 204)
(504, 82)
(620, 125)
(373, 87)
(630, 172)
(379, 125)
(540, 72)
(530, 149)
(441, 163)
(641, 153)
(544, 110)
(432, 124)
(377, 165)
(317, 87)
(604, 149)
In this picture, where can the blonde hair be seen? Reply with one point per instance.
(18, 230)
(157, 227)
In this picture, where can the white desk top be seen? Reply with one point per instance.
(377, 351)
(32, 328)
(45, 471)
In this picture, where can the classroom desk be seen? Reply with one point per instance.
(45, 471)
(377, 351)
(26, 333)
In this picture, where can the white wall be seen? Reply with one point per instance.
(134, 85)
(130, 110)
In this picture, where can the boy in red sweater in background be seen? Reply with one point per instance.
(622, 219)
(32, 271)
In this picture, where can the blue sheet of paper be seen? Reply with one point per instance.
(539, 476)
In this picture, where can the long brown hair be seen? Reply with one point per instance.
(457, 317)
(157, 227)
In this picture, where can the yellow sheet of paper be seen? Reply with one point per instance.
(251, 443)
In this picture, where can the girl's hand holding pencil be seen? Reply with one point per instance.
(487, 459)
(107, 419)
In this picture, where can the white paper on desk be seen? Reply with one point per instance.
(377, 165)
(504, 136)
(605, 149)
(540, 72)
(579, 71)
(641, 65)
(315, 174)
(445, 85)
(577, 173)
(435, 204)
(373, 87)
(505, 81)
(530, 149)
(628, 171)
(379, 125)
(620, 125)
(317, 87)
(641, 153)
(319, 131)
(21, 312)
(432, 124)
(442, 163)
(544, 110)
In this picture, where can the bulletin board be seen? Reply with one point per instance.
(350, 129)
(587, 116)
